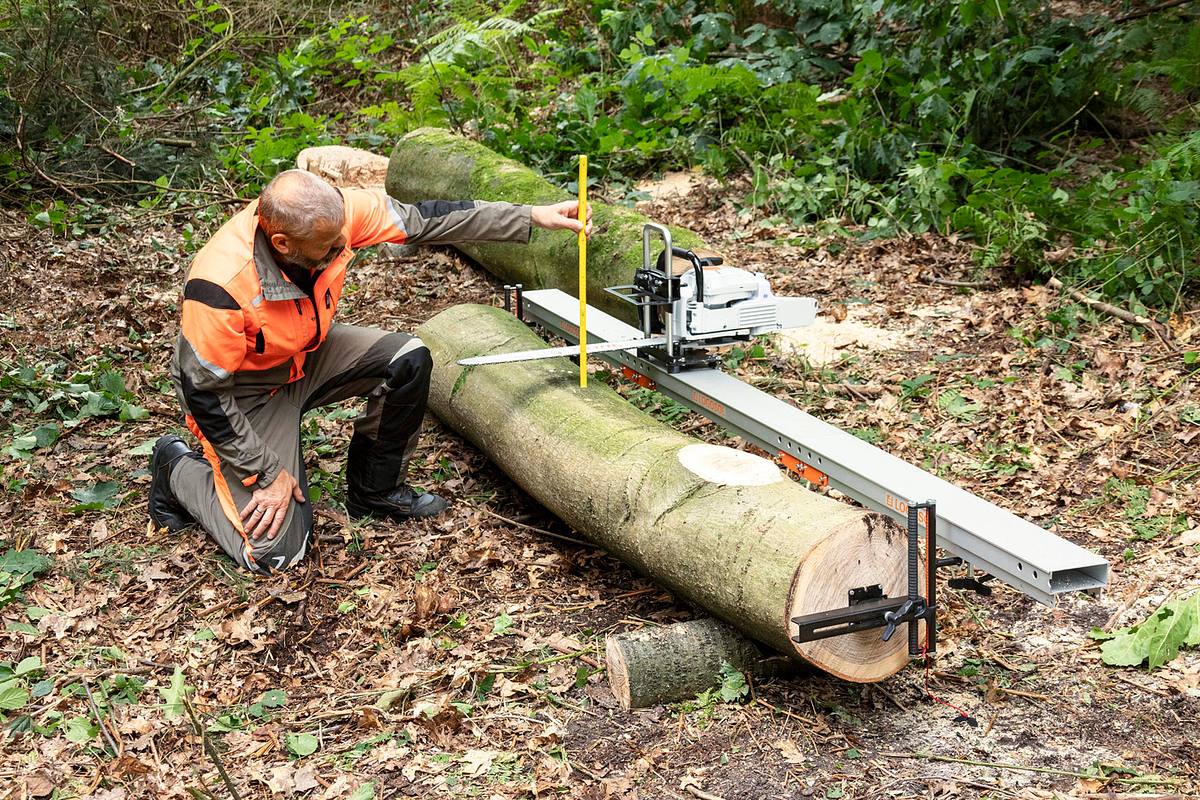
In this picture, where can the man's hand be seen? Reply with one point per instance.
(268, 507)
(560, 216)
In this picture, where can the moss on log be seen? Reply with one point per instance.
(435, 164)
(750, 546)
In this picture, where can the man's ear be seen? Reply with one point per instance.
(281, 243)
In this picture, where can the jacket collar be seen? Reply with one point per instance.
(270, 277)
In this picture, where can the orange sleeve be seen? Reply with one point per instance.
(217, 336)
(371, 218)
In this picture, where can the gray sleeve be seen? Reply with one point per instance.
(454, 222)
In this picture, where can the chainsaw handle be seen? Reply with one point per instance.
(697, 265)
(648, 230)
(651, 228)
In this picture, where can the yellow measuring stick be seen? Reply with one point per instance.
(583, 273)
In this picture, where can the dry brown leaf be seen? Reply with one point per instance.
(425, 598)
(38, 785)
(790, 751)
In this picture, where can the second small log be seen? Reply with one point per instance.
(677, 662)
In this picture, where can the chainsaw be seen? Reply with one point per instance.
(687, 305)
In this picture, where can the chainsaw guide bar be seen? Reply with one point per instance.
(559, 352)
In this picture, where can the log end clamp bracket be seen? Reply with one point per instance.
(868, 607)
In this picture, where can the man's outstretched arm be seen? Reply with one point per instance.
(374, 217)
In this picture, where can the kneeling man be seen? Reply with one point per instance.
(258, 347)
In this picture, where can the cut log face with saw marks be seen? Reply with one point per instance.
(720, 527)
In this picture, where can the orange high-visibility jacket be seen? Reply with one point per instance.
(246, 327)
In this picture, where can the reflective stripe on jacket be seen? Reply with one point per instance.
(246, 328)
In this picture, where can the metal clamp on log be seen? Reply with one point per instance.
(868, 607)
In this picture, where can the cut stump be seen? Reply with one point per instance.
(677, 662)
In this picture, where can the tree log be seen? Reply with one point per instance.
(435, 164)
(345, 166)
(720, 527)
(677, 662)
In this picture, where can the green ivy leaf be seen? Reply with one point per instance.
(173, 695)
(302, 744)
(503, 624)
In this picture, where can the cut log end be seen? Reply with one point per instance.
(618, 671)
(871, 550)
(728, 467)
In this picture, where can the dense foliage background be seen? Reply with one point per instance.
(1061, 138)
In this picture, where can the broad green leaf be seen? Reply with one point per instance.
(112, 383)
(301, 744)
(143, 449)
(954, 404)
(97, 497)
(97, 492)
(131, 412)
(364, 792)
(80, 730)
(273, 698)
(46, 435)
(174, 694)
(23, 562)
(503, 624)
(12, 695)
(1192, 639)
(28, 665)
(871, 59)
(1157, 639)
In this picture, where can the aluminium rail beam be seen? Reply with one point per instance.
(989, 538)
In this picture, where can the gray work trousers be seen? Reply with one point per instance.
(390, 369)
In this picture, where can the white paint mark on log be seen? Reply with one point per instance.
(728, 467)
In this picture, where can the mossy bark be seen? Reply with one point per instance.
(616, 476)
(677, 662)
(435, 164)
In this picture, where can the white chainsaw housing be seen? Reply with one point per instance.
(736, 303)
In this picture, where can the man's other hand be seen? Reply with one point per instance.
(268, 507)
(561, 216)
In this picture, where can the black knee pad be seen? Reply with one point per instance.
(416, 364)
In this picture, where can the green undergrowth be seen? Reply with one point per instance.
(1155, 640)
(1058, 144)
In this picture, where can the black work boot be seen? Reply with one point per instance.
(165, 510)
(399, 504)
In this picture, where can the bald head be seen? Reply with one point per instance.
(302, 216)
(296, 202)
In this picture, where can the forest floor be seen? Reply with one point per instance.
(461, 656)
